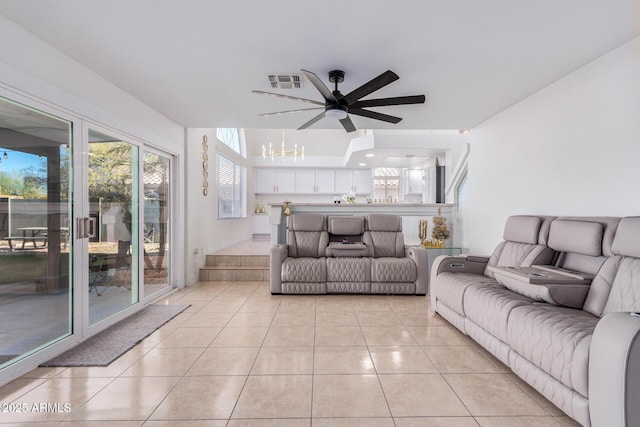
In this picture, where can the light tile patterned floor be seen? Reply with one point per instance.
(242, 357)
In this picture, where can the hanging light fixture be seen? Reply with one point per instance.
(273, 153)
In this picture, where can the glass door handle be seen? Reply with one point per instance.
(91, 233)
(86, 228)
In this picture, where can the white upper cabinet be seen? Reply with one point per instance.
(362, 181)
(316, 181)
(312, 181)
(344, 181)
(353, 180)
(325, 181)
(305, 181)
(274, 180)
(415, 181)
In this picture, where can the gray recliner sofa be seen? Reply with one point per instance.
(566, 327)
(347, 254)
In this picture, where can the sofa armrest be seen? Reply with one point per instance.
(614, 371)
(419, 256)
(472, 264)
(277, 256)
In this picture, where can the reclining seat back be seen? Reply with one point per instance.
(348, 267)
(383, 236)
(580, 244)
(583, 243)
(616, 287)
(304, 270)
(391, 270)
(308, 235)
(525, 238)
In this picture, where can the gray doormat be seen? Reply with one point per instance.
(108, 345)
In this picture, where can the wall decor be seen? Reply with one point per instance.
(205, 165)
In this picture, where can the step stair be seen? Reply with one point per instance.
(235, 268)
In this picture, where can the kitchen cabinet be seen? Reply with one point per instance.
(305, 181)
(261, 224)
(362, 181)
(414, 181)
(353, 180)
(312, 181)
(325, 181)
(269, 181)
(318, 181)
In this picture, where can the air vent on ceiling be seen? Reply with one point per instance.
(285, 81)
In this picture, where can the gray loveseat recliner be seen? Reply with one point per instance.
(347, 254)
(566, 327)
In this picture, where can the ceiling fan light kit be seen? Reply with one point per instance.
(337, 106)
(336, 112)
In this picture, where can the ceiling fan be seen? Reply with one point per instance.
(339, 106)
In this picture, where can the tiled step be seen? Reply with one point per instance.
(237, 261)
(235, 268)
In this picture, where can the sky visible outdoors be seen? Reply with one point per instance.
(16, 161)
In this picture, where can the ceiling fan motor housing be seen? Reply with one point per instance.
(336, 76)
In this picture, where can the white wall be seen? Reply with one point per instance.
(204, 231)
(572, 148)
(33, 69)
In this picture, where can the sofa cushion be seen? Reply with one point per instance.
(555, 339)
(337, 249)
(581, 237)
(346, 225)
(625, 242)
(451, 288)
(513, 254)
(383, 236)
(307, 235)
(304, 270)
(522, 229)
(617, 283)
(625, 289)
(382, 222)
(307, 222)
(348, 270)
(489, 305)
(393, 270)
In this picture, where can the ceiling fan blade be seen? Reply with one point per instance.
(347, 124)
(381, 102)
(322, 88)
(374, 115)
(371, 86)
(312, 121)
(260, 92)
(290, 111)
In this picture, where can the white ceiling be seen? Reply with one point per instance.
(196, 61)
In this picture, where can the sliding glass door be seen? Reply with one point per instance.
(85, 230)
(157, 210)
(112, 226)
(36, 304)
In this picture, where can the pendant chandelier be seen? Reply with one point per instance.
(283, 152)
